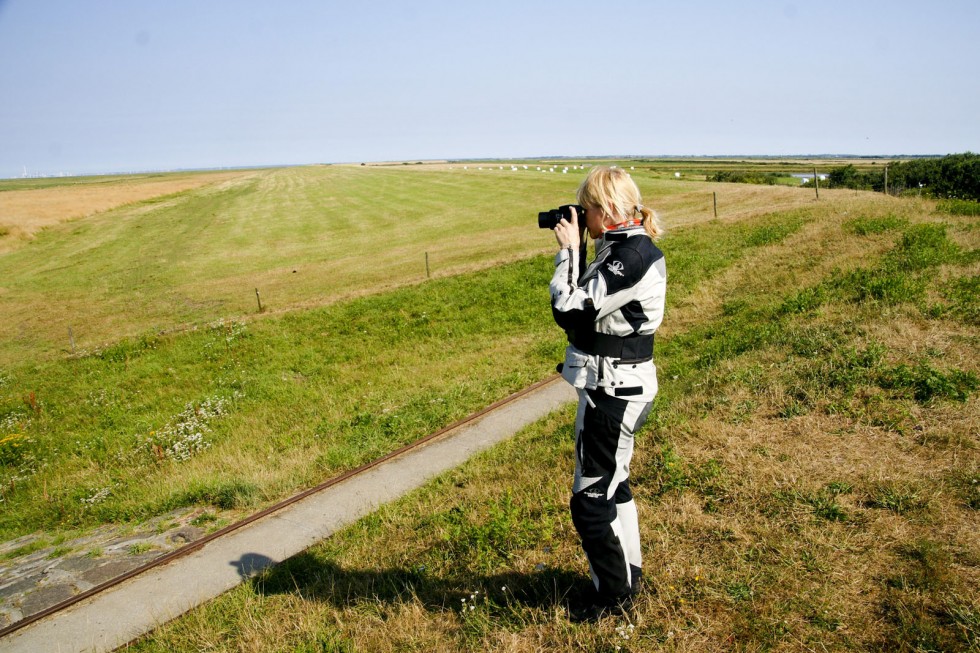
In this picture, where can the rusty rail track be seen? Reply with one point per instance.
(204, 541)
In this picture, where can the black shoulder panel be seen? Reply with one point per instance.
(628, 262)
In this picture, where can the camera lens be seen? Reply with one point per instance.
(548, 219)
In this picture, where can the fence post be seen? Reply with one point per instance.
(427, 274)
(258, 299)
(714, 201)
(71, 338)
(816, 181)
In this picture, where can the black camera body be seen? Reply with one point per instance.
(550, 219)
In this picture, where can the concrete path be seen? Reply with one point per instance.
(118, 615)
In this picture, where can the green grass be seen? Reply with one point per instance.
(807, 479)
(788, 439)
(959, 207)
(147, 423)
(299, 236)
(865, 226)
(320, 391)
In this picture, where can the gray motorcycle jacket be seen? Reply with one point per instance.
(610, 311)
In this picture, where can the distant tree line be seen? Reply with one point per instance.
(733, 176)
(956, 176)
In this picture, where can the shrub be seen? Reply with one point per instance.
(732, 176)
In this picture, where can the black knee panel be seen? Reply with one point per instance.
(592, 513)
(623, 492)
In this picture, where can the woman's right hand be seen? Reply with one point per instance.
(568, 233)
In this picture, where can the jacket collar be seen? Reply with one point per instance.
(619, 235)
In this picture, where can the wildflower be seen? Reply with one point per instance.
(98, 497)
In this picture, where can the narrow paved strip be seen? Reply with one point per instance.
(126, 611)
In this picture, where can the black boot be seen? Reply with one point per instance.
(591, 607)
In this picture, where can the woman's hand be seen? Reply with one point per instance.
(568, 234)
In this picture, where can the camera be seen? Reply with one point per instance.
(549, 219)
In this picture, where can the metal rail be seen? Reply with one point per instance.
(198, 544)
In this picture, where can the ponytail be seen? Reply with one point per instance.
(651, 222)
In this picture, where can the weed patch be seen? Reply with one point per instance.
(226, 495)
(483, 543)
(13, 449)
(865, 226)
(927, 384)
(959, 207)
(900, 498)
(899, 277)
(966, 484)
(963, 296)
(771, 234)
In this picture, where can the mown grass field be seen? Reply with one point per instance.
(30, 205)
(301, 236)
(809, 479)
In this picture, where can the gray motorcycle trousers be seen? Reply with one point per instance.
(602, 506)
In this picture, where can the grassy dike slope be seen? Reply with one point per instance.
(304, 237)
(809, 476)
(809, 479)
(186, 401)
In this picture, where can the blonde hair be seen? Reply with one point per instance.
(614, 191)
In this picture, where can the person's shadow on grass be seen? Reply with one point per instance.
(316, 579)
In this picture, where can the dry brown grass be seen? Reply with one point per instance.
(23, 213)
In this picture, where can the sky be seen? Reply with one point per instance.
(125, 86)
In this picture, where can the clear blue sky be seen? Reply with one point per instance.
(116, 85)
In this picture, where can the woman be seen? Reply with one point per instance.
(609, 310)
